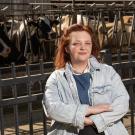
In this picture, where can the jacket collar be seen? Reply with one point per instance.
(94, 65)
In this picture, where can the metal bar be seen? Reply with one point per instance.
(129, 81)
(73, 2)
(44, 123)
(123, 65)
(105, 32)
(42, 90)
(64, 2)
(132, 30)
(79, 4)
(34, 78)
(14, 91)
(123, 32)
(28, 38)
(20, 12)
(41, 66)
(11, 3)
(1, 121)
(131, 91)
(32, 66)
(115, 32)
(29, 94)
(21, 99)
(1, 112)
(119, 61)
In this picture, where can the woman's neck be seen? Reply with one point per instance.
(80, 67)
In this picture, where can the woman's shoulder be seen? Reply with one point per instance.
(107, 69)
(57, 72)
(102, 67)
(53, 78)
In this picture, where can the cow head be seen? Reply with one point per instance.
(45, 28)
(8, 51)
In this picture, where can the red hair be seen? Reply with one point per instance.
(62, 57)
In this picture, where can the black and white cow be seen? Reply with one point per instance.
(8, 51)
(33, 37)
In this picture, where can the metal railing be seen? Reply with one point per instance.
(13, 94)
(124, 64)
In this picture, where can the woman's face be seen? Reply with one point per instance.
(80, 47)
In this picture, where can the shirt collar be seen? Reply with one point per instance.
(93, 65)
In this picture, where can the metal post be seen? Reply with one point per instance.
(73, 5)
(74, 20)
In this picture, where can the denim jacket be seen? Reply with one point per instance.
(61, 101)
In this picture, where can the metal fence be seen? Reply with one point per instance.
(124, 64)
(18, 90)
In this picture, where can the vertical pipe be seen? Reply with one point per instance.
(1, 110)
(42, 89)
(132, 30)
(14, 89)
(74, 16)
(73, 5)
(131, 90)
(29, 103)
(119, 60)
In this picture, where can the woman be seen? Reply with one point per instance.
(83, 96)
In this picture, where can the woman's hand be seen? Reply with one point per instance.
(99, 109)
(88, 121)
(95, 110)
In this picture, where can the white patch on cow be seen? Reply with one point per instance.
(11, 21)
(21, 28)
(79, 19)
(14, 27)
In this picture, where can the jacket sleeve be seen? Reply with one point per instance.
(120, 104)
(59, 111)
